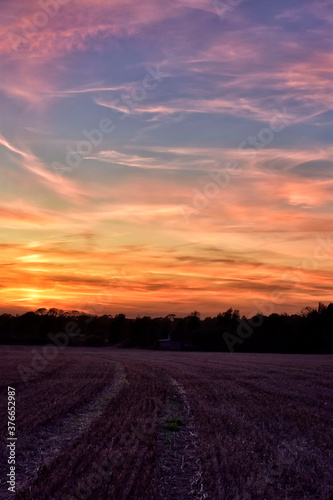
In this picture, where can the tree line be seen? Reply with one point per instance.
(310, 331)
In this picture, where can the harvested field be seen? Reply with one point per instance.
(130, 424)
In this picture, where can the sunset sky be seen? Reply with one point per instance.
(161, 157)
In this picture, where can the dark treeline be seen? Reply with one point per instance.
(310, 331)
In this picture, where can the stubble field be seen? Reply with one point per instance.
(130, 424)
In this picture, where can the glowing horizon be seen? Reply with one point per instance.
(162, 159)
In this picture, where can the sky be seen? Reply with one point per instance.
(165, 157)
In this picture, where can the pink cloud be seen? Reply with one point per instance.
(56, 183)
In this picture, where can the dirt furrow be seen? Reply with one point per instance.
(42, 446)
(115, 457)
(180, 467)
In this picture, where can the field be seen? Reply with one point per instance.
(130, 424)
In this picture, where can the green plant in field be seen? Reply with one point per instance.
(173, 424)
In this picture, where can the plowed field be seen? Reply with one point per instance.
(130, 424)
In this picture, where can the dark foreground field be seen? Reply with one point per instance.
(129, 424)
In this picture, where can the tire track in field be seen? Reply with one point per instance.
(123, 436)
(181, 476)
(49, 440)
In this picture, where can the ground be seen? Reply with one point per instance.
(132, 424)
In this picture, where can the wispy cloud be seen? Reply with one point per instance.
(51, 180)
